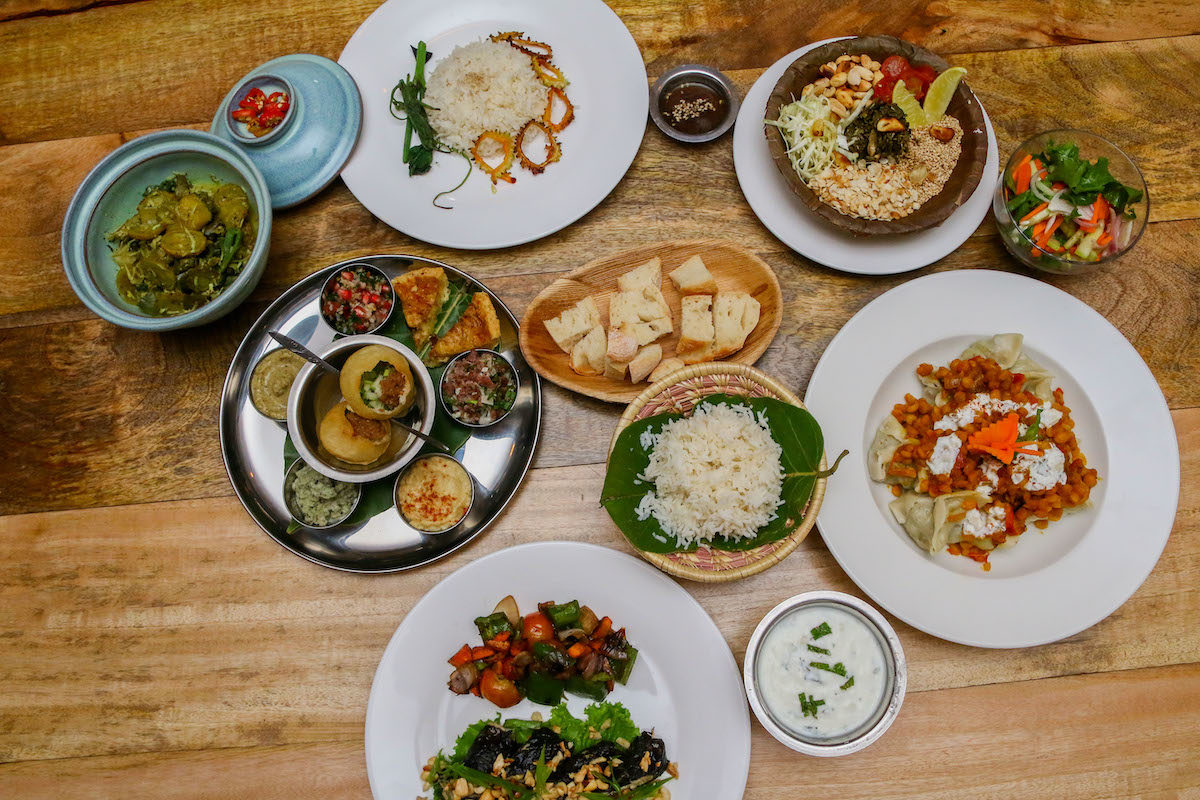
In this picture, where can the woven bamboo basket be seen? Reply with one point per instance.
(679, 392)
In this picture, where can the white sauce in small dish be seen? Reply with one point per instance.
(784, 671)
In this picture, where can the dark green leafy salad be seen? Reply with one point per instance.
(601, 756)
(1069, 206)
(183, 246)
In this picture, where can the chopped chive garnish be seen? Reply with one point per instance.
(809, 705)
(848, 683)
(821, 630)
(816, 649)
(837, 669)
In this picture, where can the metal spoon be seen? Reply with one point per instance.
(308, 355)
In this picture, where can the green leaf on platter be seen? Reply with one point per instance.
(798, 435)
(397, 328)
(457, 300)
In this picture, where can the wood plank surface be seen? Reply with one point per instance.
(50, 87)
(207, 634)
(155, 643)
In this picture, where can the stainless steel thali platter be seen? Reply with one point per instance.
(252, 445)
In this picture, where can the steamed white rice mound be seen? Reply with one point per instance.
(716, 472)
(482, 86)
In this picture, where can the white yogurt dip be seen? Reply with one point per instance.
(784, 670)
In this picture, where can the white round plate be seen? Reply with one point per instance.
(777, 206)
(1050, 584)
(608, 88)
(685, 685)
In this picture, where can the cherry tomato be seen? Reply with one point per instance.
(926, 72)
(893, 66)
(498, 690)
(915, 84)
(344, 294)
(538, 628)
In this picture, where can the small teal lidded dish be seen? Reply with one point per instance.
(297, 118)
(112, 194)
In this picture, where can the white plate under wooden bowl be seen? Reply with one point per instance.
(734, 268)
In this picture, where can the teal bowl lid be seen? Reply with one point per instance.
(110, 194)
(302, 154)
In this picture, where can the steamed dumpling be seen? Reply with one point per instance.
(352, 438)
(933, 523)
(888, 438)
(915, 513)
(1038, 380)
(1003, 348)
(377, 382)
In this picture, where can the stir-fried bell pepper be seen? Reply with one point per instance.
(591, 689)
(543, 689)
(493, 625)
(565, 615)
(622, 668)
(551, 656)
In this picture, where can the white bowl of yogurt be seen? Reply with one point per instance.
(825, 673)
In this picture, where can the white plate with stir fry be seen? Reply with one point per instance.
(793, 223)
(557, 90)
(1056, 579)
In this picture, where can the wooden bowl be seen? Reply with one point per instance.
(964, 107)
(679, 392)
(733, 268)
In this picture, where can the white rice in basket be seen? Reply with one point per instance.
(483, 86)
(716, 472)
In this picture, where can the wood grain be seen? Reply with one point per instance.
(181, 626)
(1097, 737)
(191, 67)
(733, 268)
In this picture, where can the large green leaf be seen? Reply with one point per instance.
(798, 435)
(449, 314)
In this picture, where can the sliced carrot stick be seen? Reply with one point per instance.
(1034, 213)
(462, 656)
(1103, 239)
(478, 653)
(603, 629)
(1044, 239)
(1021, 175)
(578, 650)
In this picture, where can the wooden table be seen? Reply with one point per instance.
(154, 643)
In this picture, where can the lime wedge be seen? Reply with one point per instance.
(940, 92)
(902, 97)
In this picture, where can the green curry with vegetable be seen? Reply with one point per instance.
(183, 246)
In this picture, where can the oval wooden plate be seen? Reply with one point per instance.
(734, 268)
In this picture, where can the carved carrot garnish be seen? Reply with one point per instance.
(1000, 440)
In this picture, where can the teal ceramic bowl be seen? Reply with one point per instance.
(110, 194)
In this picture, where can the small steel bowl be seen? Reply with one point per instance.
(315, 391)
(893, 696)
(400, 477)
(288, 498)
(368, 268)
(254, 371)
(694, 73)
(442, 397)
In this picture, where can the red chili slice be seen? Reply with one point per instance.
(246, 115)
(255, 99)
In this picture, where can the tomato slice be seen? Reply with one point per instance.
(915, 83)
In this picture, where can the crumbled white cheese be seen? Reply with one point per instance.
(945, 453)
(991, 476)
(984, 404)
(1044, 471)
(980, 525)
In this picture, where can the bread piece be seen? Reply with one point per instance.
(696, 326)
(622, 346)
(644, 362)
(648, 274)
(615, 370)
(587, 356)
(665, 368)
(573, 324)
(732, 311)
(422, 293)
(477, 327)
(642, 312)
(693, 278)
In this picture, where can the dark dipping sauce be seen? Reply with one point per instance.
(479, 388)
(693, 108)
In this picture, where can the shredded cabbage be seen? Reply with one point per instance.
(810, 155)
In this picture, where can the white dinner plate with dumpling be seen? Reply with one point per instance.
(1044, 584)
